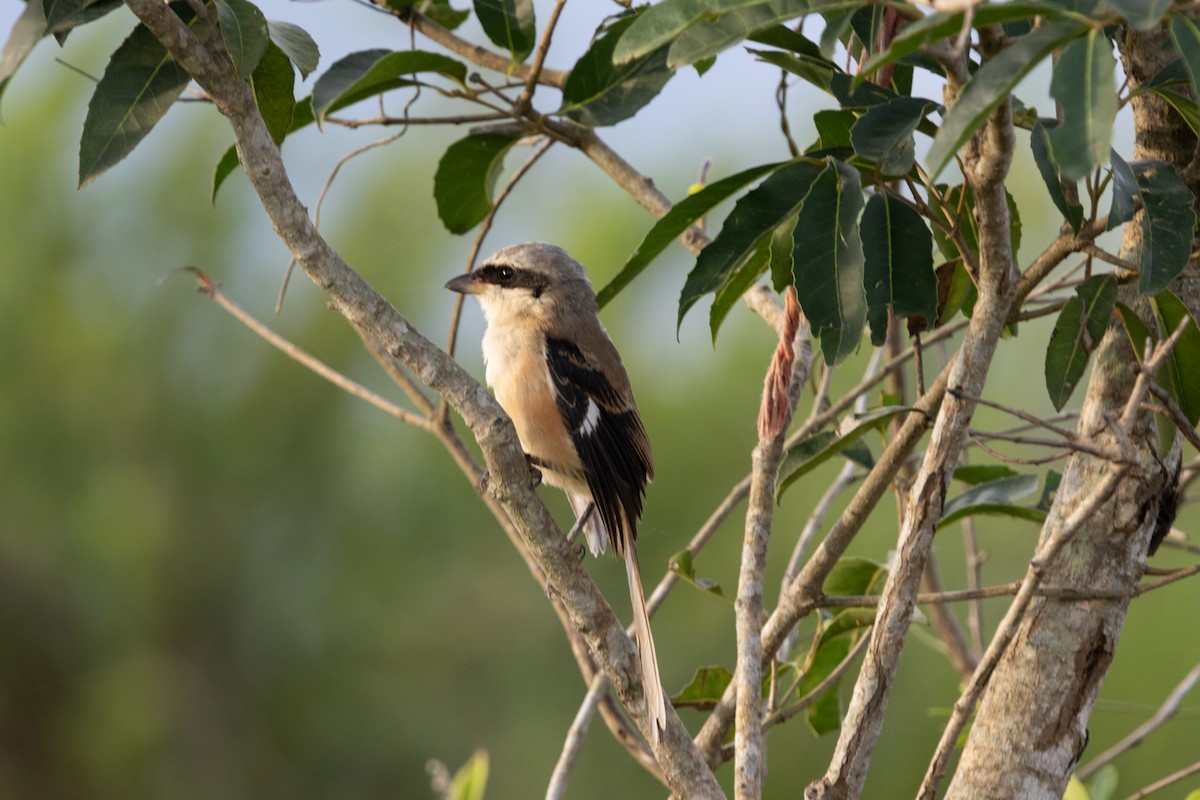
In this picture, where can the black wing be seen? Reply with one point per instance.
(608, 436)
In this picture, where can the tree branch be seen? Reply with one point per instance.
(361, 305)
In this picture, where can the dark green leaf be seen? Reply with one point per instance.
(1126, 198)
(733, 21)
(829, 273)
(833, 127)
(1187, 42)
(884, 135)
(782, 245)
(1061, 191)
(27, 31)
(509, 24)
(898, 264)
(465, 178)
(1188, 108)
(825, 715)
(1167, 224)
(440, 11)
(755, 215)
(1136, 329)
(244, 31)
(273, 81)
(994, 497)
(140, 83)
(1049, 489)
(370, 72)
(1142, 14)
(63, 16)
(815, 69)
(741, 279)
(675, 222)
(597, 92)
(992, 85)
(973, 474)
(704, 691)
(943, 25)
(853, 577)
(1080, 325)
(294, 41)
(1085, 87)
(727, 22)
(225, 167)
(808, 454)
(862, 95)
(1181, 368)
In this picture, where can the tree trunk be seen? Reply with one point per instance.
(1031, 725)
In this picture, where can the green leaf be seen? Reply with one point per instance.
(598, 93)
(993, 84)
(994, 497)
(965, 222)
(1056, 184)
(942, 25)
(370, 72)
(664, 22)
(817, 70)
(704, 690)
(1079, 328)
(1182, 377)
(1167, 225)
(1104, 784)
(825, 715)
(140, 83)
(1084, 84)
(1136, 330)
(1126, 197)
(509, 24)
(471, 779)
(1188, 108)
(884, 135)
(295, 42)
(681, 565)
(754, 216)
(782, 246)
(273, 81)
(672, 224)
(852, 577)
(27, 31)
(466, 176)
(63, 16)
(225, 167)
(973, 474)
(1142, 14)
(244, 30)
(807, 454)
(898, 264)
(742, 278)
(834, 126)
(829, 277)
(1049, 489)
(737, 20)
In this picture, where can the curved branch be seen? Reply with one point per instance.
(353, 297)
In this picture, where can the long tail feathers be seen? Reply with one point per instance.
(656, 705)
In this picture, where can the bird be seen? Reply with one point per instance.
(557, 374)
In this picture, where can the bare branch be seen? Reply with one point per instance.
(1138, 735)
(1163, 783)
(576, 736)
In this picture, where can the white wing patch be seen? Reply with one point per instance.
(591, 419)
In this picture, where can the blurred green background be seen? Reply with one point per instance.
(221, 577)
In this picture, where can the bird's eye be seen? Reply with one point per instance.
(506, 274)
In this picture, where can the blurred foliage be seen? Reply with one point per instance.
(222, 578)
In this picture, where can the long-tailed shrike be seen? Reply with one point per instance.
(558, 376)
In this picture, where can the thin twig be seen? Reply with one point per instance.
(1165, 711)
(539, 58)
(975, 559)
(210, 288)
(1163, 783)
(781, 715)
(576, 736)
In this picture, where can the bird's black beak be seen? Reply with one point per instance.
(463, 284)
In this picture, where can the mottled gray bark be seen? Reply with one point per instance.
(1031, 725)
